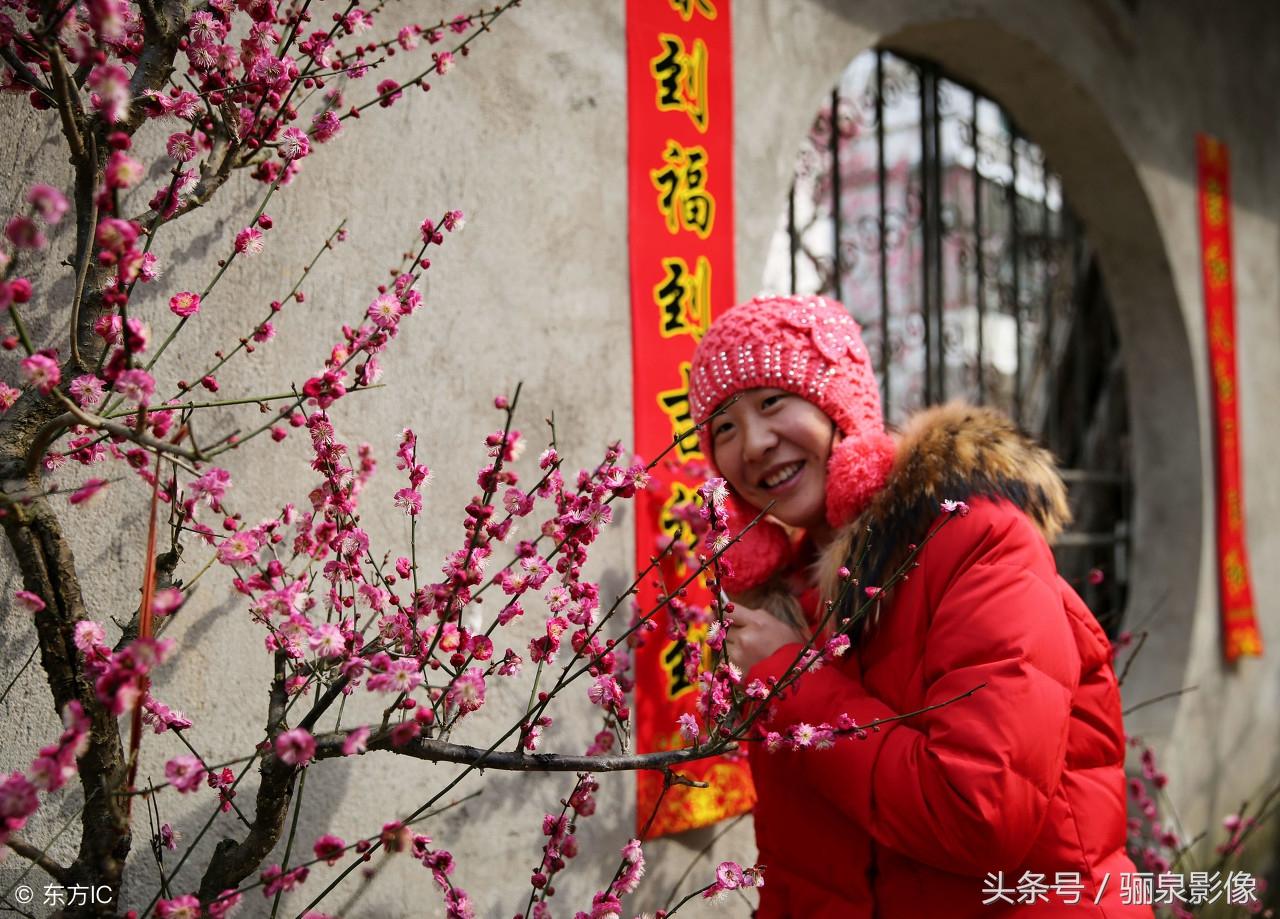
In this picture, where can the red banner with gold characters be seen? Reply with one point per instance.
(1239, 622)
(680, 193)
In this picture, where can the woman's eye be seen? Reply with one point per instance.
(724, 427)
(770, 401)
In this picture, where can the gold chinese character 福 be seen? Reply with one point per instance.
(682, 189)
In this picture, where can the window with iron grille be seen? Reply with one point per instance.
(919, 204)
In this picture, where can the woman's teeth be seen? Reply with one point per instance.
(782, 475)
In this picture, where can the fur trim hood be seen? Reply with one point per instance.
(957, 452)
(953, 451)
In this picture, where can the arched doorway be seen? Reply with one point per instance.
(1023, 63)
(919, 203)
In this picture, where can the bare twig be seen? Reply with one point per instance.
(1160, 698)
(1133, 656)
(17, 676)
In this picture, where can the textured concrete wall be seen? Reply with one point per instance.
(528, 137)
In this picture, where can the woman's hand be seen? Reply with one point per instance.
(754, 635)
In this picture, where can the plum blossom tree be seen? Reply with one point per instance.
(262, 86)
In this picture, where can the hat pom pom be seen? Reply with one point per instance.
(857, 469)
(757, 554)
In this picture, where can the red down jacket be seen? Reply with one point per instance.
(1018, 787)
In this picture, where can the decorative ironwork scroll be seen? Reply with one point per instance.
(919, 204)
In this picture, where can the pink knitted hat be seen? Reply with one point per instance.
(809, 346)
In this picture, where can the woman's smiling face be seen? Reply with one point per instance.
(772, 446)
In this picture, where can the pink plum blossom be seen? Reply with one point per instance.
(409, 501)
(162, 718)
(390, 92)
(325, 127)
(327, 640)
(184, 303)
(186, 906)
(296, 747)
(116, 235)
(185, 773)
(137, 386)
(23, 232)
(688, 727)
(356, 741)
(399, 676)
(87, 390)
(122, 171)
(167, 601)
(87, 491)
(249, 241)
(294, 144)
(407, 38)
(330, 848)
(18, 801)
(49, 202)
(28, 602)
(239, 547)
(467, 691)
(89, 635)
(633, 870)
(181, 147)
(110, 94)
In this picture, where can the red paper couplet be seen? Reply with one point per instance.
(680, 193)
(1239, 620)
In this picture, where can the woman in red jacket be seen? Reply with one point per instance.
(1004, 793)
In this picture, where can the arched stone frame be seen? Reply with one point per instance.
(1099, 178)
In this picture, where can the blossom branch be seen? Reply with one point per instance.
(67, 100)
(23, 73)
(86, 224)
(223, 265)
(49, 570)
(243, 343)
(724, 831)
(76, 415)
(223, 403)
(329, 746)
(486, 21)
(208, 824)
(687, 897)
(41, 858)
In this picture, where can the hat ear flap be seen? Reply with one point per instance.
(857, 468)
(758, 554)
